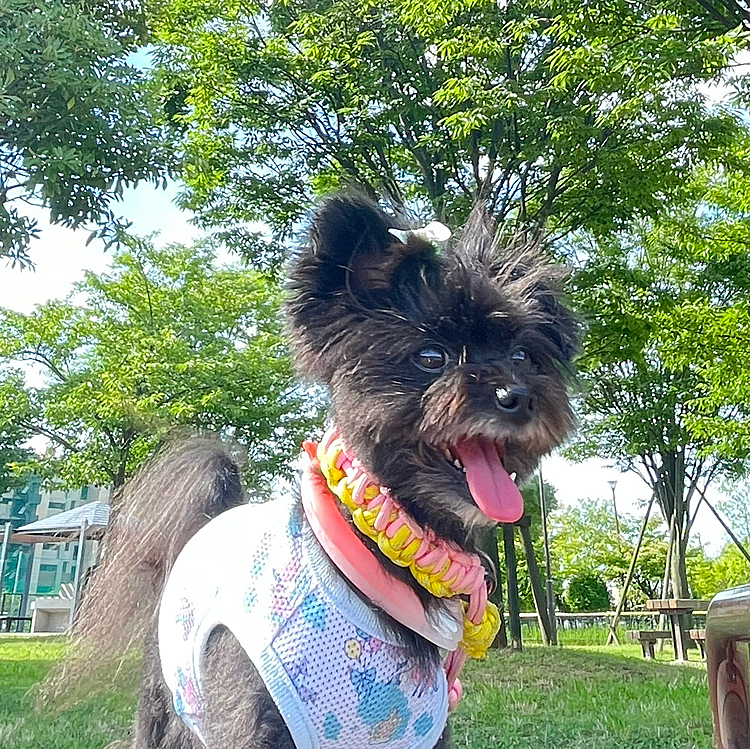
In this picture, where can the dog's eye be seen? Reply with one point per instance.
(432, 359)
(518, 355)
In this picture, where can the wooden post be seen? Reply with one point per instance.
(514, 604)
(534, 578)
(489, 546)
(729, 531)
(612, 635)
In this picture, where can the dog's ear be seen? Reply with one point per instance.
(519, 266)
(351, 248)
(352, 267)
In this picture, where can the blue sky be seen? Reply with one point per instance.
(61, 256)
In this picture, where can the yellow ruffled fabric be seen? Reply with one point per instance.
(401, 550)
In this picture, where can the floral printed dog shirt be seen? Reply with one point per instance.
(337, 677)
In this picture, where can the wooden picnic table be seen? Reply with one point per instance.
(678, 610)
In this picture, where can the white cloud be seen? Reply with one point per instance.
(61, 255)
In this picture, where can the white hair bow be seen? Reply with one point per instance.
(434, 232)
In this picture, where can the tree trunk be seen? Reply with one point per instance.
(670, 491)
(678, 571)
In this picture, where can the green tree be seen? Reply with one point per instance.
(725, 14)
(587, 592)
(12, 436)
(736, 508)
(11, 456)
(532, 505)
(712, 233)
(653, 399)
(585, 543)
(532, 508)
(165, 338)
(76, 127)
(565, 115)
(708, 576)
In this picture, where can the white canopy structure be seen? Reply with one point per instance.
(65, 526)
(87, 522)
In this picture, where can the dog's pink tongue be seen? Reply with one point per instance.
(493, 490)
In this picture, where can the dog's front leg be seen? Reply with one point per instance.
(239, 711)
(444, 742)
(157, 726)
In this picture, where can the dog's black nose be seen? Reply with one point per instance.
(515, 401)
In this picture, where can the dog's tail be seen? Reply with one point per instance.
(153, 516)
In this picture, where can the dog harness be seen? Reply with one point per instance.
(337, 677)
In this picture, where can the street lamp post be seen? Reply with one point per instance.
(550, 595)
(612, 485)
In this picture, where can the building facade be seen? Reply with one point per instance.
(40, 569)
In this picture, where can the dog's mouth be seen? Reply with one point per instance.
(492, 488)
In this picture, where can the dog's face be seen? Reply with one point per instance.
(446, 370)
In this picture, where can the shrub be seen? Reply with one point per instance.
(587, 592)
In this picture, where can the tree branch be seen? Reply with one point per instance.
(51, 435)
(40, 358)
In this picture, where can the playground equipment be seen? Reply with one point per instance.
(728, 661)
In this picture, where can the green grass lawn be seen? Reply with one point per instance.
(582, 698)
(570, 698)
(23, 662)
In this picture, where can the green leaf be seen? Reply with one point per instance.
(77, 117)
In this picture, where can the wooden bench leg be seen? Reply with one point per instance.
(651, 654)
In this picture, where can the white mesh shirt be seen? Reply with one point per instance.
(338, 679)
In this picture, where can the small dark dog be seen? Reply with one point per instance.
(446, 371)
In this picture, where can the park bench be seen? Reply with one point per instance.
(698, 636)
(647, 639)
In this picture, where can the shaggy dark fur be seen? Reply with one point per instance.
(362, 305)
(416, 348)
